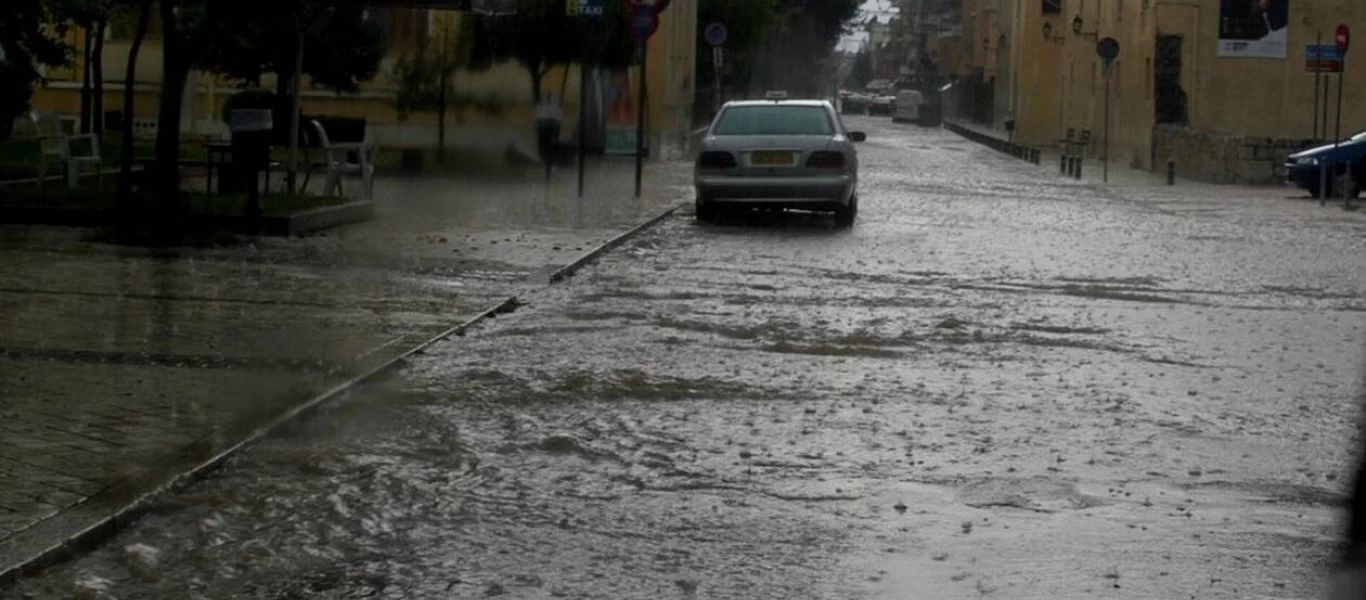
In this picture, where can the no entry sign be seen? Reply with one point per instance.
(644, 22)
(1108, 48)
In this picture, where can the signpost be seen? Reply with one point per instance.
(590, 9)
(1108, 50)
(644, 15)
(716, 34)
(1343, 39)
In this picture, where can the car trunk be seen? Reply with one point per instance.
(760, 156)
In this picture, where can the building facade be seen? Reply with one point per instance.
(669, 85)
(1220, 87)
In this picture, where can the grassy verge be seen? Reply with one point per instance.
(95, 198)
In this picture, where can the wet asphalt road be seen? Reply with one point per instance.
(997, 384)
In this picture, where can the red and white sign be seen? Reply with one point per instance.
(1343, 38)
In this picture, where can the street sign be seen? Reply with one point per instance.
(715, 34)
(1322, 58)
(584, 8)
(1108, 48)
(644, 22)
(717, 57)
(1343, 38)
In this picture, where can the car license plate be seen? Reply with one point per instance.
(773, 158)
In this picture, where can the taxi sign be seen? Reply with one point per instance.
(775, 95)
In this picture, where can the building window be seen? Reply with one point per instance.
(1052, 7)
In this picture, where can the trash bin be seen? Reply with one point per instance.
(251, 133)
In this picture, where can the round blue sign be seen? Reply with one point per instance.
(715, 34)
(644, 22)
(1108, 48)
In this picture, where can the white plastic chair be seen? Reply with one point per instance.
(339, 165)
(55, 145)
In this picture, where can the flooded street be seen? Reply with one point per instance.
(998, 383)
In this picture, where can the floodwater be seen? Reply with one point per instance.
(997, 384)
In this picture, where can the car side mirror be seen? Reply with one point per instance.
(857, 136)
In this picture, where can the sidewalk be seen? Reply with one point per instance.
(121, 368)
(1132, 184)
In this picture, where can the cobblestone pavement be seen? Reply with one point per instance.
(121, 366)
(997, 384)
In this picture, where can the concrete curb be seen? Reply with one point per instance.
(125, 513)
(587, 258)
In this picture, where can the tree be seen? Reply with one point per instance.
(342, 46)
(806, 36)
(747, 23)
(862, 71)
(425, 79)
(29, 37)
(541, 35)
(126, 202)
(92, 17)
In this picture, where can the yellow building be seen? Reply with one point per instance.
(670, 86)
(1218, 87)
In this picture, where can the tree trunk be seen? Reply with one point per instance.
(165, 180)
(564, 82)
(125, 196)
(85, 80)
(535, 71)
(441, 120)
(97, 73)
(295, 91)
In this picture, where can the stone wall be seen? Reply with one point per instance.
(1219, 158)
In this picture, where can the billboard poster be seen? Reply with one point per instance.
(1253, 28)
(621, 113)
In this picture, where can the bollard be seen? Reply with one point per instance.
(1077, 173)
(1171, 172)
(1062, 165)
(1035, 155)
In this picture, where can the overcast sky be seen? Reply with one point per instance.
(884, 10)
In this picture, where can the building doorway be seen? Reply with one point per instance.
(1170, 101)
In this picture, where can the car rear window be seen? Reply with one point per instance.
(774, 120)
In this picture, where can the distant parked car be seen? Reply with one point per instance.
(908, 106)
(1345, 165)
(855, 104)
(882, 105)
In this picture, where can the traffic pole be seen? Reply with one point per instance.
(1106, 153)
(1327, 81)
(1318, 74)
(583, 112)
(1337, 128)
(640, 115)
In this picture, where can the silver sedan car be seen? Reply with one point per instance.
(778, 154)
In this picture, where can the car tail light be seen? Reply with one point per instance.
(716, 160)
(825, 159)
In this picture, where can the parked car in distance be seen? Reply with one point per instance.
(778, 154)
(908, 104)
(1345, 164)
(882, 106)
(855, 104)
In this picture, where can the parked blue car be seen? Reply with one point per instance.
(1302, 168)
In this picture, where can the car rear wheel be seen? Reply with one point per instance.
(845, 216)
